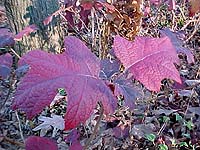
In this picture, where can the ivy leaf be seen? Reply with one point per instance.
(151, 137)
(141, 130)
(163, 147)
(150, 60)
(189, 124)
(178, 117)
(76, 70)
(40, 143)
(181, 144)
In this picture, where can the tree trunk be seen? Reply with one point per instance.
(22, 13)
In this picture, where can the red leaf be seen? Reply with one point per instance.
(121, 133)
(4, 71)
(124, 86)
(83, 16)
(76, 146)
(194, 7)
(156, 2)
(98, 4)
(172, 4)
(178, 44)
(76, 70)
(6, 60)
(40, 143)
(6, 38)
(110, 8)
(26, 31)
(73, 138)
(69, 2)
(5, 65)
(48, 19)
(109, 68)
(150, 60)
(87, 5)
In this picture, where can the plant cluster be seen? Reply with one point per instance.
(123, 76)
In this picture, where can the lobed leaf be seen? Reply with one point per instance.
(76, 70)
(150, 60)
(178, 44)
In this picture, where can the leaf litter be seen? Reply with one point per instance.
(169, 117)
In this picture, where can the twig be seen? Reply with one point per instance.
(182, 13)
(193, 33)
(20, 128)
(188, 104)
(185, 26)
(162, 128)
(96, 126)
(173, 20)
(150, 99)
(93, 28)
(7, 97)
(14, 142)
(15, 53)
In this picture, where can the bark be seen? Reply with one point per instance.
(22, 13)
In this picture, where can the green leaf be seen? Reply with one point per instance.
(183, 144)
(193, 147)
(162, 147)
(189, 124)
(62, 91)
(166, 119)
(151, 137)
(173, 142)
(178, 117)
(186, 135)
